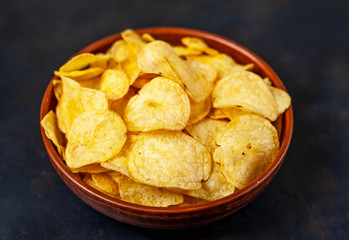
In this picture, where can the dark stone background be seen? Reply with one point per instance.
(307, 44)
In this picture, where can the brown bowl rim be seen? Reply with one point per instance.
(287, 129)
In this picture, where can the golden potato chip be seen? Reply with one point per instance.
(235, 112)
(92, 83)
(147, 37)
(57, 88)
(133, 39)
(153, 58)
(119, 162)
(217, 113)
(79, 62)
(91, 168)
(169, 159)
(84, 66)
(120, 104)
(49, 123)
(198, 110)
(94, 137)
(183, 51)
(138, 193)
(222, 63)
(205, 131)
(126, 55)
(198, 44)
(119, 51)
(214, 188)
(282, 99)
(246, 146)
(75, 100)
(82, 75)
(143, 79)
(104, 183)
(114, 83)
(201, 82)
(247, 90)
(160, 58)
(160, 104)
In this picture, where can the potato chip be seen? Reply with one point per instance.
(201, 82)
(82, 75)
(119, 51)
(183, 51)
(114, 83)
(75, 100)
(49, 123)
(198, 44)
(133, 39)
(169, 159)
(138, 193)
(84, 66)
(143, 79)
(235, 112)
(246, 147)
(94, 137)
(92, 83)
(247, 90)
(57, 88)
(217, 113)
(119, 162)
(282, 99)
(198, 110)
(160, 104)
(105, 183)
(160, 58)
(147, 37)
(120, 104)
(205, 131)
(91, 168)
(215, 187)
(222, 63)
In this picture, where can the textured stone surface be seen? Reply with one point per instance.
(306, 42)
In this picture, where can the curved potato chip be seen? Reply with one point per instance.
(198, 110)
(94, 137)
(104, 183)
(247, 90)
(57, 88)
(246, 147)
(119, 162)
(75, 100)
(235, 112)
(198, 44)
(160, 58)
(282, 99)
(114, 83)
(119, 50)
(215, 187)
(49, 123)
(120, 104)
(183, 51)
(79, 62)
(169, 159)
(201, 82)
(91, 168)
(138, 193)
(160, 104)
(153, 58)
(133, 39)
(205, 131)
(217, 113)
(143, 79)
(147, 37)
(82, 75)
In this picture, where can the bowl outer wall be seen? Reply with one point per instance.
(174, 217)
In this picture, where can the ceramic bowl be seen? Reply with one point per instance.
(185, 216)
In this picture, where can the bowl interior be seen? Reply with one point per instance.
(173, 36)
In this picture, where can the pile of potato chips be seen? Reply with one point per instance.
(161, 125)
